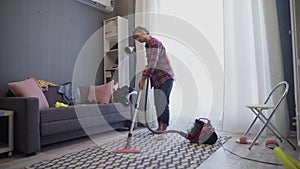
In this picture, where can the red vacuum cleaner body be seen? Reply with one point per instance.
(202, 132)
(199, 132)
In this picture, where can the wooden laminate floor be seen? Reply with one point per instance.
(221, 159)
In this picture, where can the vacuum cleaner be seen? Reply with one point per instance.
(128, 148)
(201, 131)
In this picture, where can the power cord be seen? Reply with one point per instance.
(246, 158)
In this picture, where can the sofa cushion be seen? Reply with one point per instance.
(59, 120)
(102, 93)
(59, 127)
(82, 111)
(29, 88)
(57, 114)
(53, 96)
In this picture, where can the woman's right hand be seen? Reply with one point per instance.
(142, 83)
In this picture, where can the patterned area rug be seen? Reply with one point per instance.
(173, 152)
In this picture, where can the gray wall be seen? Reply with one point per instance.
(42, 38)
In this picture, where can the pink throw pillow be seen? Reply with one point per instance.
(29, 88)
(102, 93)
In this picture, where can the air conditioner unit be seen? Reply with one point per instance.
(103, 5)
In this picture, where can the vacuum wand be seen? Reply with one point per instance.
(135, 113)
(127, 148)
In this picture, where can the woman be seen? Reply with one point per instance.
(159, 71)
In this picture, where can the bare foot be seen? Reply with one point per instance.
(162, 136)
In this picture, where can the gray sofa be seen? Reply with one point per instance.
(34, 128)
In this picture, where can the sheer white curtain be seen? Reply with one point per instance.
(252, 60)
(143, 18)
(198, 48)
(192, 32)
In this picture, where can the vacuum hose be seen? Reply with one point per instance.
(183, 134)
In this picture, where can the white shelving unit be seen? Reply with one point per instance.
(116, 62)
(9, 145)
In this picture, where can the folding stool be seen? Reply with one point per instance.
(257, 109)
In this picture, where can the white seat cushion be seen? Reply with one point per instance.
(262, 106)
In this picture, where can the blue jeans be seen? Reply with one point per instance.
(161, 101)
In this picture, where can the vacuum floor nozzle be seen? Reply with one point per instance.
(127, 151)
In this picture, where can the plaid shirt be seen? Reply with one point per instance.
(159, 68)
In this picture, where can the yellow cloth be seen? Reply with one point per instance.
(43, 83)
(59, 104)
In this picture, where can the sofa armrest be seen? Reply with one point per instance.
(26, 122)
